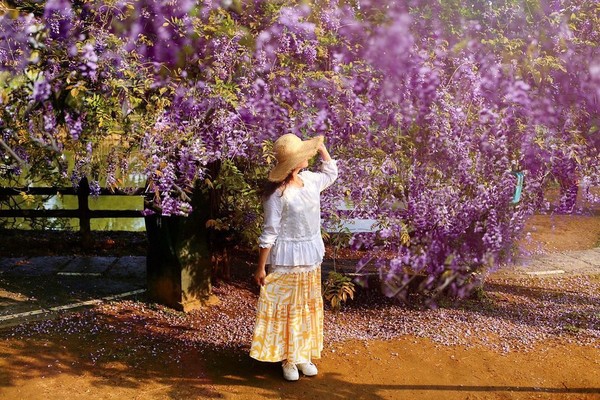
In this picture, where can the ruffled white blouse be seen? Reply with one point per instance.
(292, 224)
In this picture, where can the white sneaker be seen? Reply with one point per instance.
(308, 369)
(290, 371)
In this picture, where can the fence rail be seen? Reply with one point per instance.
(75, 213)
(82, 212)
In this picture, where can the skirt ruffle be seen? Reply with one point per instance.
(289, 318)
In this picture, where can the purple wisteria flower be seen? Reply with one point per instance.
(15, 40)
(74, 125)
(58, 16)
(95, 188)
(89, 61)
(41, 90)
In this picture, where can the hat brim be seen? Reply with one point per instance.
(305, 152)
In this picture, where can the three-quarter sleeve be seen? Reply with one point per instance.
(272, 212)
(328, 174)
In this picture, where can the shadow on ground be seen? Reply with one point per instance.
(163, 367)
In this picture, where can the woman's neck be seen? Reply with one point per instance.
(296, 180)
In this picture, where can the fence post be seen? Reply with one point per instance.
(83, 193)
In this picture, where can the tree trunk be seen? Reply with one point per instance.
(179, 260)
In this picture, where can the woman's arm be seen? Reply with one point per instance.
(261, 273)
(329, 170)
(272, 220)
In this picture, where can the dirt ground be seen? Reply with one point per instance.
(406, 368)
(132, 350)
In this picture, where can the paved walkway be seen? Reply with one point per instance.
(38, 287)
(580, 262)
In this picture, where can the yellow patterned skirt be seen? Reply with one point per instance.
(289, 317)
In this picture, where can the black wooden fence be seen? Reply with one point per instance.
(82, 212)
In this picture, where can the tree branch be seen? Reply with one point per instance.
(10, 151)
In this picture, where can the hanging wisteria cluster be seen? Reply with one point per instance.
(433, 109)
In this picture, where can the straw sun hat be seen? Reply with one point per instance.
(290, 151)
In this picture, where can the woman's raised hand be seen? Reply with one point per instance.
(323, 152)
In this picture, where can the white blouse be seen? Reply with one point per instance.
(292, 225)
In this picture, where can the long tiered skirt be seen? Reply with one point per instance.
(289, 318)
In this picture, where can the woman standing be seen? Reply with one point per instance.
(289, 321)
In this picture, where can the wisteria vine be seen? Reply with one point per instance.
(431, 107)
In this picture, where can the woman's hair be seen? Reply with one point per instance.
(270, 187)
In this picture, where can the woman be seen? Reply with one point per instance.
(289, 321)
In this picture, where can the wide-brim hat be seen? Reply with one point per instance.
(289, 151)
